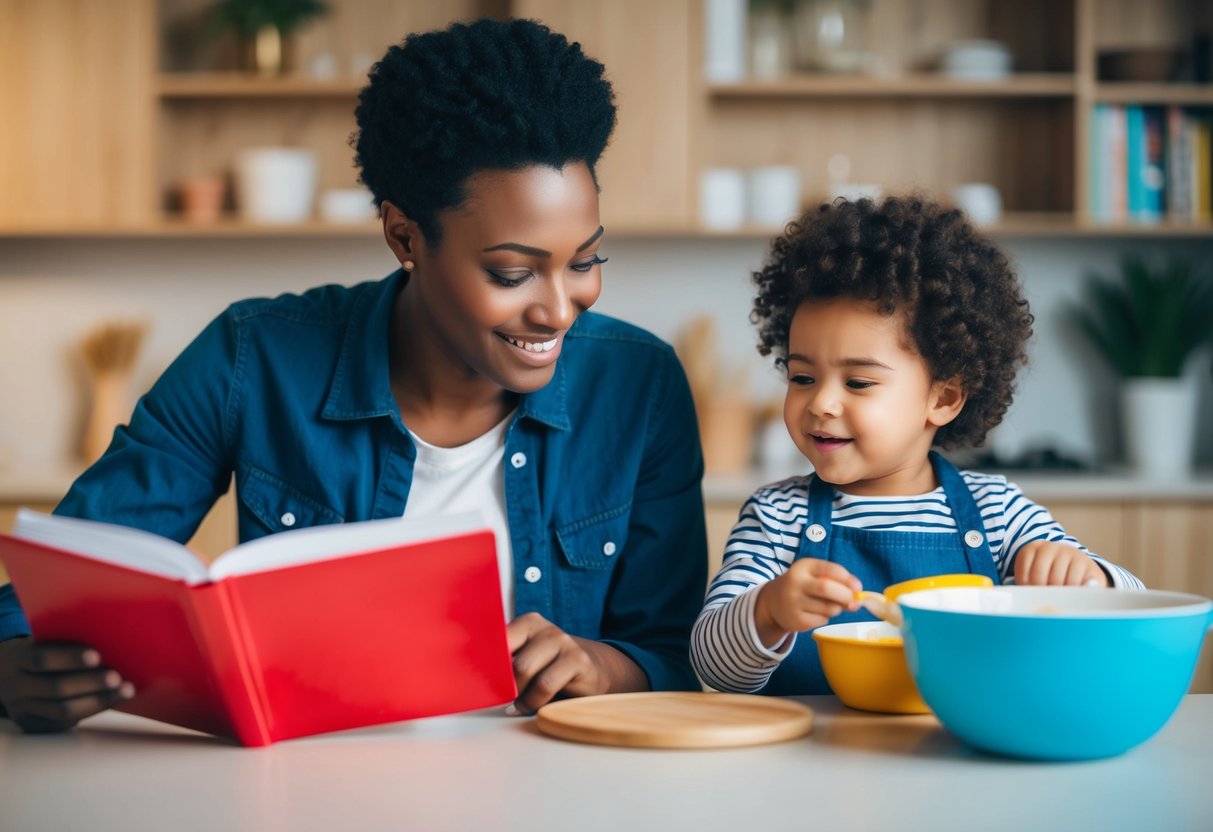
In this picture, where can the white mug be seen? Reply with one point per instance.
(722, 199)
(982, 202)
(275, 184)
(773, 195)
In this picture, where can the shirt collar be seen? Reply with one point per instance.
(360, 387)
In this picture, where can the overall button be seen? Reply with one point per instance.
(608, 548)
(532, 574)
(288, 519)
(973, 538)
(518, 459)
(816, 533)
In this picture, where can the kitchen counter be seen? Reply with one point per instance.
(1040, 486)
(488, 771)
(46, 482)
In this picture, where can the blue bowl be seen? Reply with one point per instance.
(1053, 673)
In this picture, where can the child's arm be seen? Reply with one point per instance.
(808, 595)
(1047, 563)
(726, 649)
(1038, 551)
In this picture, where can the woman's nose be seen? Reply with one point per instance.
(555, 309)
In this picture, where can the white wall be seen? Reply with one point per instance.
(53, 291)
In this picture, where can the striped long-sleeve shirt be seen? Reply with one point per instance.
(725, 647)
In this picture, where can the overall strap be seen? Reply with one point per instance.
(968, 518)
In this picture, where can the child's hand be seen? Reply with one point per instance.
(1048, 563)
(808, 595)
(51, 687)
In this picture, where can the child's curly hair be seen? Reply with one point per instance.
(959, 294)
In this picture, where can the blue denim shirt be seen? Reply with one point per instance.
(292, 395)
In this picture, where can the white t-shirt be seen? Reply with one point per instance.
(469, 477)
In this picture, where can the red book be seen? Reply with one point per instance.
(298, 633)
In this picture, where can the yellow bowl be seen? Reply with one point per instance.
(865, 664)
(895, 591)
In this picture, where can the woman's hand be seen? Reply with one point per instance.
(50, 687)
(1048, 563)
(549, 662)
(808, 595)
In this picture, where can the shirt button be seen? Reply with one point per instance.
(816, 533)
(288, 519)
(608, 548)
(973, 539)
(532, 574)
(518, 459)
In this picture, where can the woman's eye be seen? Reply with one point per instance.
(589, 264)
(507, 281)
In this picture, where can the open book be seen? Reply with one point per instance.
(298, 633)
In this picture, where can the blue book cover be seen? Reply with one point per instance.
(1135, 154)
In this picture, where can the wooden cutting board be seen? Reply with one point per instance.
(676, 720)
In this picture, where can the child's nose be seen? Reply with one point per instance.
(825, 402)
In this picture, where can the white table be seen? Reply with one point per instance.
(486, 771)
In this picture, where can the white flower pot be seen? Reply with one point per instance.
(275, 184)
(1160, 425)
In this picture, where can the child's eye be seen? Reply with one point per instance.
(589, 264)
(857, 384)
(508, 282)
(800, 379)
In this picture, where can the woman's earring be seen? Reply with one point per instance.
(409, 265)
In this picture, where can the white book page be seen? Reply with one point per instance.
(151, 553)
(121, 545)
(324, 542)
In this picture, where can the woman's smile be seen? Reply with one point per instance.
(534, 351)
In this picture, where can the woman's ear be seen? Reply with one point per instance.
(946, 402)
(401, 233)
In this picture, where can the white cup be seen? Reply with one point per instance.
(982, 202)
(773, 195)
(347, 205)
(725, 40)
(275, 185)
(722, 199)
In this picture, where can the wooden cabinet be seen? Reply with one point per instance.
(111, 106)
(1169, 545)
(912, 128)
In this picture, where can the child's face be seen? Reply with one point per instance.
(861, 405)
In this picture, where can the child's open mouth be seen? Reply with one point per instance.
(825, 442)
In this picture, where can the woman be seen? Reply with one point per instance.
(470, 377)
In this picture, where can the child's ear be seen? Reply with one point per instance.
(946, 402)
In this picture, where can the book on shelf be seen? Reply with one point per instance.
(1148, 163)
(298, 633)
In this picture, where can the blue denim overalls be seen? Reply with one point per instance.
(881, 558)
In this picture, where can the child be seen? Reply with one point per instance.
(901, 328)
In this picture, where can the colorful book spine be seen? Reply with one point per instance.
(1135, 160)
(1152, 172)
(1115, 176)
(1179, 165)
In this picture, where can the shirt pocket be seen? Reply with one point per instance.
(589, 549)
(278, 506)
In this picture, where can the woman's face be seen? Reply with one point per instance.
(517, 263)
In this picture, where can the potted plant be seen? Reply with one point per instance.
(1146, 325)
(264, 28)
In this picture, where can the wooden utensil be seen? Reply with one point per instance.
(676, 720)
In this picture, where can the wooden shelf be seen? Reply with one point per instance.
(1061, 225)
(176, 228)
(1125, 93)
(237, 85)
(1027, 85)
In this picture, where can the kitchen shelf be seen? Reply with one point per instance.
(1025, 85)
(1179, 94)
(238, 85)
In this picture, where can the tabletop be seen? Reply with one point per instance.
(489, 771)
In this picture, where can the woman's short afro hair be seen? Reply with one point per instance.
(504, 95)
(960, 296)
